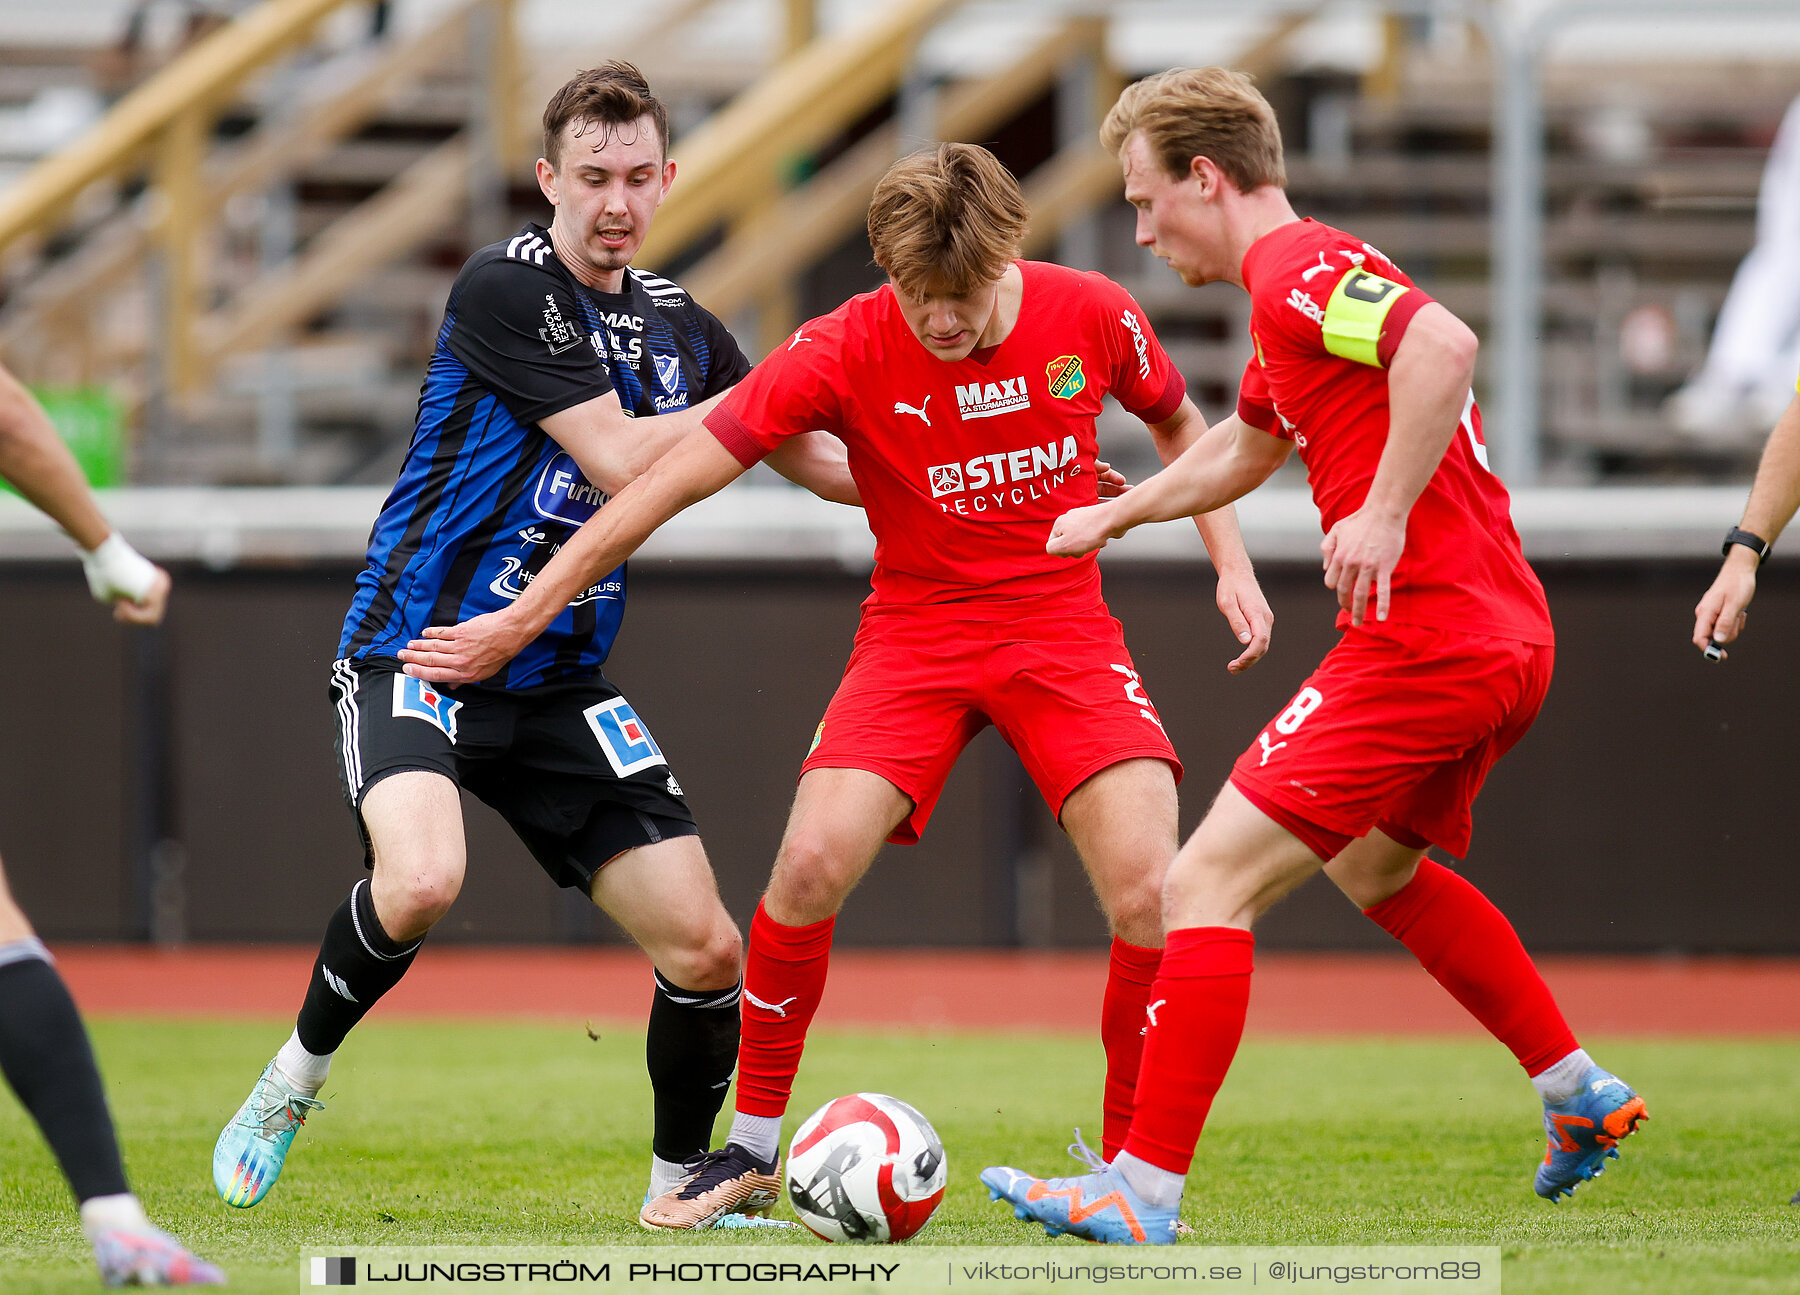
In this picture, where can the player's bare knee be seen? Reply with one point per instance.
(713, 961)
(1137, 912)
(1206, 890)
(809, 881)
(417, 899)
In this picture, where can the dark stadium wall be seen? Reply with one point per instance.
(1649, 810)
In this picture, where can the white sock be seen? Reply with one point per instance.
(665, 1176)
(102, 1213)
(1158, 1187)
(760, 1135)
(305, 1071)
(1563, 1080)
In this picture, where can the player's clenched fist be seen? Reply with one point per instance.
(1719, 616)
(465, 653)
(1082, 530)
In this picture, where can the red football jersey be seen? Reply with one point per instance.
(963, 466)
(1327, 313)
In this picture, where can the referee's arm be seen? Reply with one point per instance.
(1774, 498)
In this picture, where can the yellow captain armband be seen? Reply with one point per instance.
(1355, 313)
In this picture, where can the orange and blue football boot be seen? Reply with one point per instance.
(1584, 1132)
(1097, 1206)
(248, 1156)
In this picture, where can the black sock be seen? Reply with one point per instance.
(691, 1051)
(46, 1057)
(357, 964)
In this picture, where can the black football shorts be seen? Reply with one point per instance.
(569, 766)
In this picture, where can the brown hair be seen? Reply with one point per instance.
(609, 96)
(1201, 112)
(949, 220)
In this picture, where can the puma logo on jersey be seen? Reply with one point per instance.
(1150, 1009)
(901, 407)
(798, 338)
(1323, 267)
(1268, 750)
(780, 1009)
(337, 984)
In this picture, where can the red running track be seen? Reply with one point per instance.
(1292, 993)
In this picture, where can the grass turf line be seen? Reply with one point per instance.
(471, 1134)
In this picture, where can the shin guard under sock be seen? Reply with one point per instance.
(690, 1050)
(46, 1057)
(1196, 1018)
(357, 964)
(784, 978)
(1470, 949)
(1130, 973)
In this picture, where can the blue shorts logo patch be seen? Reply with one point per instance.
(420, 700)
(623, 736)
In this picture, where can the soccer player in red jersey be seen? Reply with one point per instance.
(1444, 660)
(966, 391)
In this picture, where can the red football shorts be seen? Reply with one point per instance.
(1062, 690)
(1395, 730)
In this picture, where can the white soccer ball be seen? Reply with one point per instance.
(866, 1168)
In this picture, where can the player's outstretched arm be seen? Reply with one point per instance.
(612, 448)
(467, 653)
(1428, 386)
(34, 458)
(820, 462)
(1774, 498)
(1226, 463)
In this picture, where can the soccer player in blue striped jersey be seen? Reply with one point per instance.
(560, 373)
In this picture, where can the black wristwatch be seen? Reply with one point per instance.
(1755, 543)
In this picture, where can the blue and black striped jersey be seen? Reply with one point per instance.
(485, 496)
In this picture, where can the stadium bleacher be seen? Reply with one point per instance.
(1651, 161)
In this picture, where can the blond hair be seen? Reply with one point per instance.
(1208, 112)
(947, 221)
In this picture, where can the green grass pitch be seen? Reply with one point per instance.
(461, 1133)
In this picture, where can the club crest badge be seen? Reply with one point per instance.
(1067, 378)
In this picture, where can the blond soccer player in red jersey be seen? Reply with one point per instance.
(966, 390)
(1444, 660)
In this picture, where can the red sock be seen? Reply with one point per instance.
(1196, 1017)
(784, 978)
(1128, 979)
(1470, 949)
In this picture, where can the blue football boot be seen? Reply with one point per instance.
(1584, 1132)
(1097, 1206)
(251, 1149)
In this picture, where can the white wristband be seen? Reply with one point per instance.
(116, 570)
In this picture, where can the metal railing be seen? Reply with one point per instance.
(163, 130)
